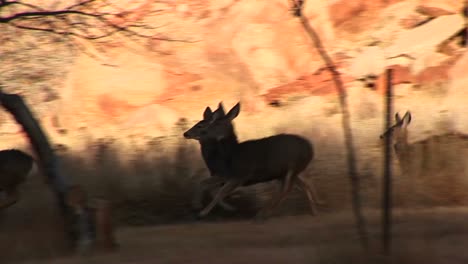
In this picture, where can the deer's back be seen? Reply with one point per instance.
(270, 157)
(14, 166)
(440, 153)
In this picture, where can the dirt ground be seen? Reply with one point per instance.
(438, 235)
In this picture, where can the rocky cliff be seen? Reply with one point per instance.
(258, 53)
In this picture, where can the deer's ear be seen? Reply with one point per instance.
(207, 114)
(234, 112)
(397, 118)
(407, 118)
(221, 108)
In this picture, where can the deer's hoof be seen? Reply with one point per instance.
(197, 204)
(197, 208)
(229, 208)
(202, 214)
(260, 218)
(193, 214)
(321, 203)
(196, 217)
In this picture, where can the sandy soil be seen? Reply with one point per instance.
(437, 235)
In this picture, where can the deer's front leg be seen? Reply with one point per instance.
(211, 184)
(205, 185)
(227, 188)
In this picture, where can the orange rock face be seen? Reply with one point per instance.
(255, 52)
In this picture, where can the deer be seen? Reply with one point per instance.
(398, 134)
(410, 158)
(15, 166)
(433, 169)
(211, 156)
(282, 158)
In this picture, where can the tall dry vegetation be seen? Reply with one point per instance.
(155, 182)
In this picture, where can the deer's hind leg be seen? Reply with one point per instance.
(311, 196)
(309, 189)
(287, 184)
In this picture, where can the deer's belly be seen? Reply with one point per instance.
(263, 177)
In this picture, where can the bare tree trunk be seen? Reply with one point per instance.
(351, 157)
(48, 163)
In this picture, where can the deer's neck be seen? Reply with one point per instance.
(217, 153)
(400, 148)
(402, 152)
(226, 146)
(229, 141)
(210, 153)
(208, 146)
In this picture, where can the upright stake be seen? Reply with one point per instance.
(465, 15)
(387, 183)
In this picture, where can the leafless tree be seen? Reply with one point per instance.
(297, 6)
(39, 39)
(80, 22)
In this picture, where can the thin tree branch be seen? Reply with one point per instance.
(44, 14)
(346, 123)
(80, 4)
(82, 20)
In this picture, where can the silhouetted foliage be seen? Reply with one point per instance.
(84, 21)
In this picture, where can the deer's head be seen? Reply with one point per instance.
(398, 132)
(221, 126)
(199, 130)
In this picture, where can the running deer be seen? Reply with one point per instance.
(280, 157)
(15, 166)
(212, 157)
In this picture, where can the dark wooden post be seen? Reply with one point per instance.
(387, 182)
(465, 15)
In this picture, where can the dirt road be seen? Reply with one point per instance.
(423, 236)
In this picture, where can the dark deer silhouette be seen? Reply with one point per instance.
(281, 157)
(15, 166)
(211, 153)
